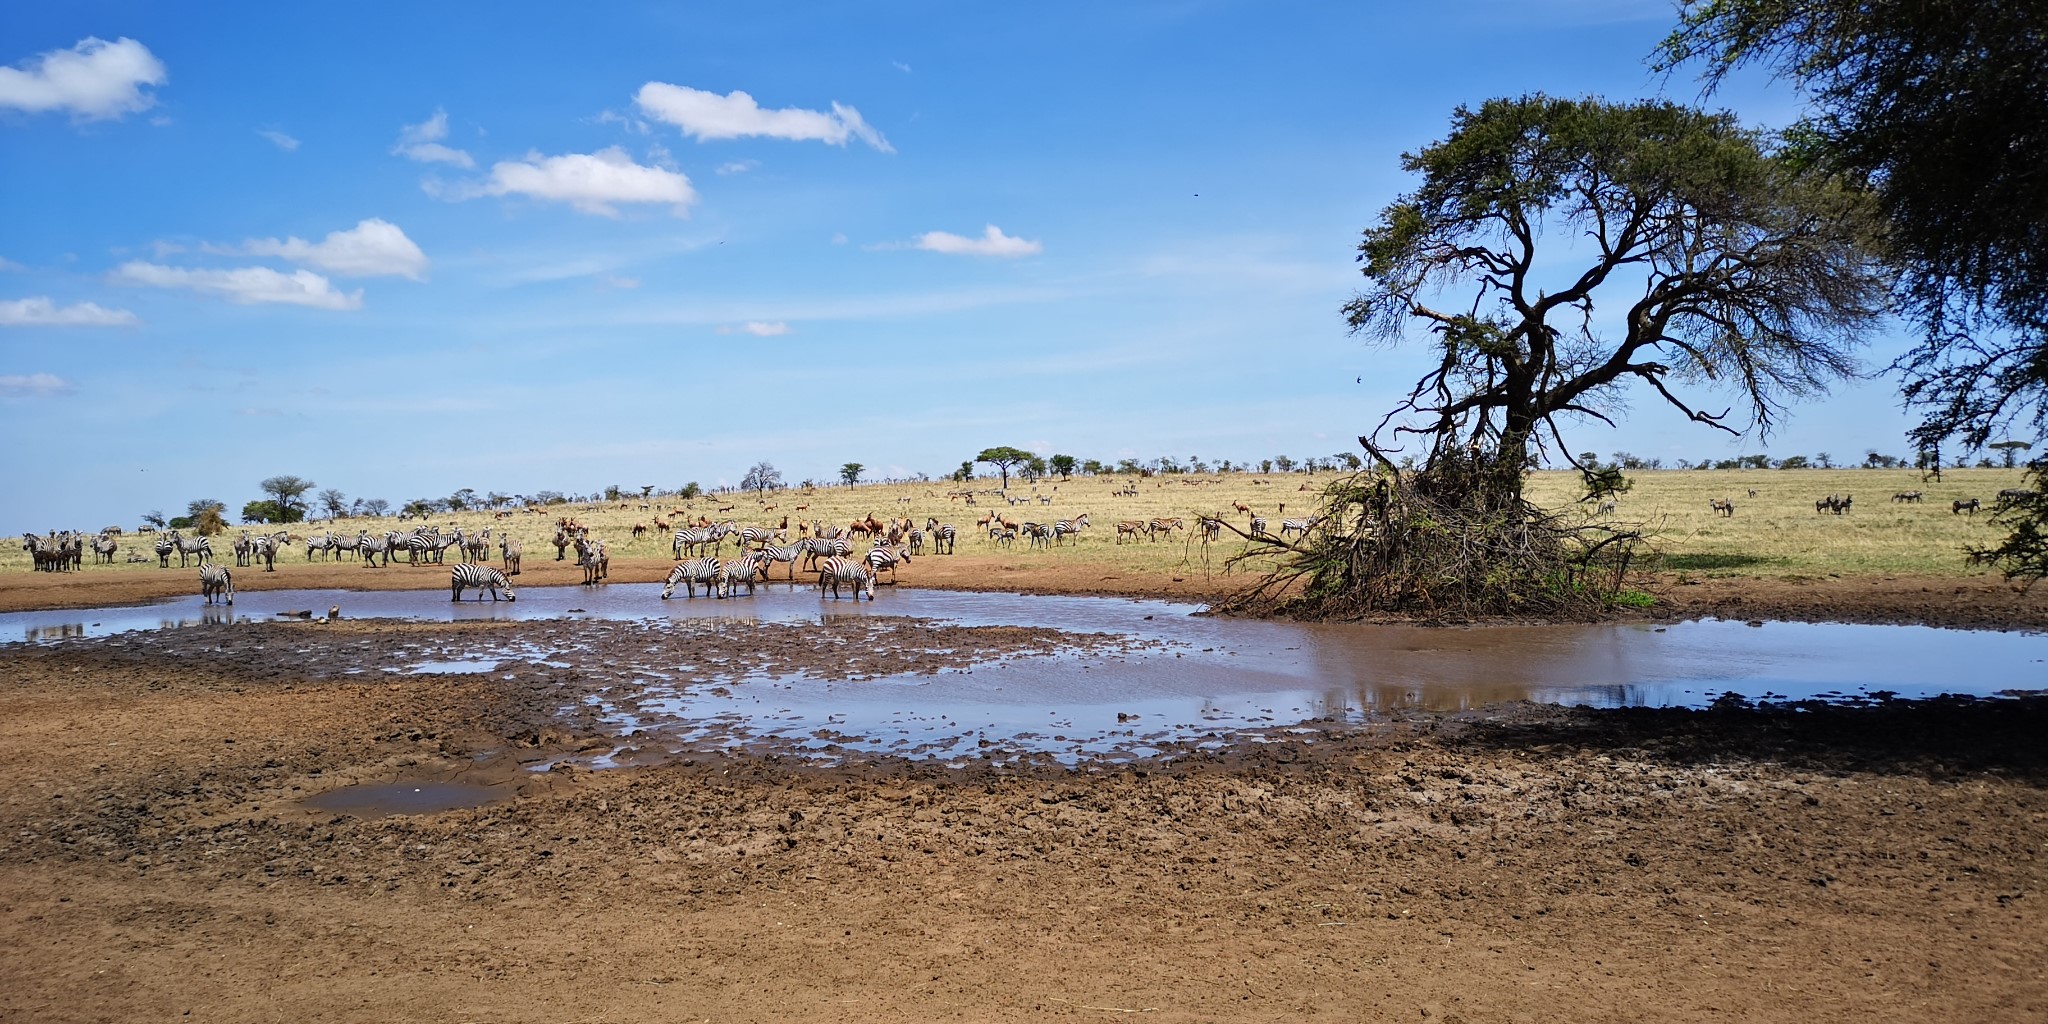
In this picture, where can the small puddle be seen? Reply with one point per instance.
(382, 799)
(457, 667)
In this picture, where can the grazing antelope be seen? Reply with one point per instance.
(1723, 506)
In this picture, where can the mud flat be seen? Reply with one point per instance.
(387, 820)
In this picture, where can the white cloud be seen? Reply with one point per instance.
(422, 142)
(94, 80)
(39, 311)
(279, 139)
(838, 238)
(9, 265)
(707, 115)
(373, 248)
(244, 285)
(900, 66)
(758, 328)
(619, 282)
(33, 385)
(991, 243)
(590, 182)
(738, 166)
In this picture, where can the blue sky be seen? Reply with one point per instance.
(405, 249)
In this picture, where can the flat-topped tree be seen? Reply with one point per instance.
(1716, 265)
(1003, 458)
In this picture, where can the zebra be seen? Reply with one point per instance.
(823, 546)
(1129, 528)
(705, 570)
(1210, 528)
(590, 554)
(477, 548)
(1064, 528)
(201, 546)
(471, 576)
(836, 570)
(562, 539)
(265, 550)
(352, 545)
(688, 540)
(164, 546)
(1038, 536)
(761, 534)
(216, 580)
(916, 540)
(103, 548)
(1155, 527)
(880, 558)
(244, 548)
(510, 550)
(1300, 526)
(944, 537)
(320, 542)
(741, 570)
(1258, 526)
(782, 553)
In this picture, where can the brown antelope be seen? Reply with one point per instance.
(1724, 506)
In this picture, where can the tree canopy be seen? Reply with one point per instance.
(286, 492)
(1731, 266)
(1003, 458)
(850, 473)
(761, 477)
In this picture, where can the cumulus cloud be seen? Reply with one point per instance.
(991, 243)
(95, 80)
(590, 182)
(32, 385)
(422, 142)
(39, 311)
(244, 285)
(373, 248)
(758, 328)
(279, 139)
(707, 115)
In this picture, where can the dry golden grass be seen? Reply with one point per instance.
(1775, 533)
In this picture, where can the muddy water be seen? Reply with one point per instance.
(1190, 679)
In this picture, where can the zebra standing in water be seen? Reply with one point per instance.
(216, 580)
(741, 570)
(836, 570)
(705, 570)
(471, 576)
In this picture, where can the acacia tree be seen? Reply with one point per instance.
(761, 477)
(1727, 265)
(1936, 107)
(850, 473)
(1003, 458)
(286, 491)
(335, 502)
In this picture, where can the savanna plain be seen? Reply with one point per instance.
(167, 851)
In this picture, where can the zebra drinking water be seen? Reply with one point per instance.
(216, 580)
(706, 570)
(471, 576)
(837, 570)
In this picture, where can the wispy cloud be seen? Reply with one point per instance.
(95, 80)
(279, 139)
(991, 243)
(422, 142)
(900, 66)
(622, 283)
(39, 311)
(707, 115)
(244, 285)
(32, 385)
(373, 248)
(9, 265)
(590, 182)
(758, 328)
(738, 166)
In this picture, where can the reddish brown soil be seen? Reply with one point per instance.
(1976, 602)
(1507, 864)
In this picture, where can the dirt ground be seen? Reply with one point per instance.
(160, 857)
(1974, 602)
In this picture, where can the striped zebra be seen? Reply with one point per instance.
(752, 535)
(736, 572)
(264, 549)
(471, 576)
(352, 545)
(1259, 526)
(371, 547)
(1300, 526)
(1064, 528)
(916, 542)
(705, 570)
(321, 542)
(244, 548)
(837, 570)
(774, 553)
(164, 546)
(216, 580)
(478, 547)
(103, 548)
(1129, 528)
(201, 546)
(1210, 528)
(688, 540)
(944, 537)
(595, 562)
(1037, 536)
(818, 547)
(880, 558)
(510, 550)
(1156, 527)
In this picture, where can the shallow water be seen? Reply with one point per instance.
(379, 799)
(1200, 679)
